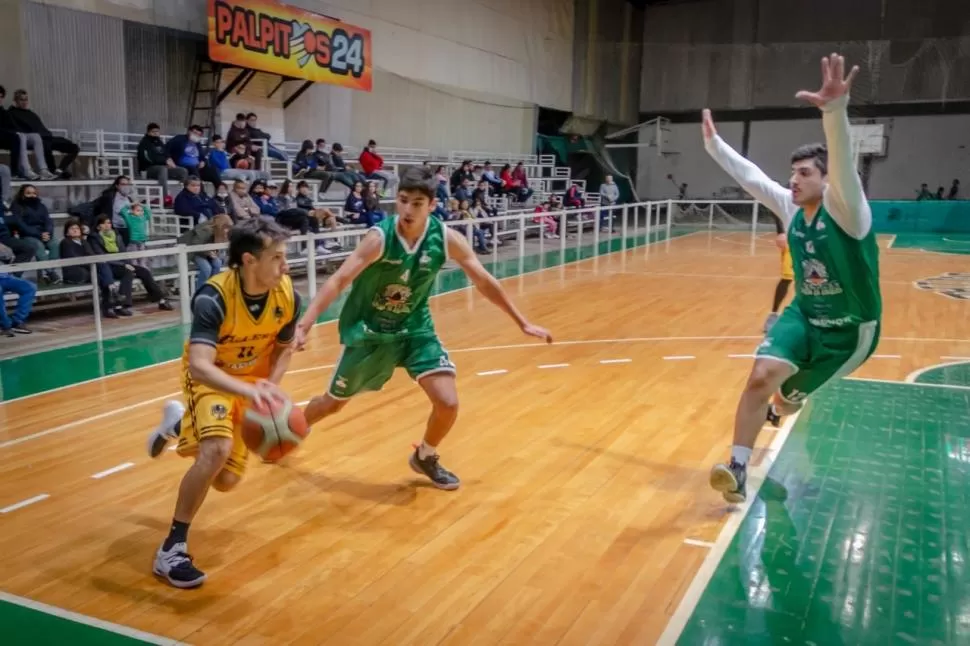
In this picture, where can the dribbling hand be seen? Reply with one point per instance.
(538, 332)
(265, 393)
(300, 338)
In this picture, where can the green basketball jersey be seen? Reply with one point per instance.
(836, 276)
(389, 299)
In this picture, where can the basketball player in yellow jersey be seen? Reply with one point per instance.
(787, 274)
(243, 321)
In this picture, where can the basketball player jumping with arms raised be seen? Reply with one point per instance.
(386, 322)
(832, 326)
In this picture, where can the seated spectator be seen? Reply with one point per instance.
(519, 174)
(6, 190)
(192, 202)
(25, 291)
(515, 187)
(463, 191)
(23, 251)
(264, 195)
(338, 166)
(307, 166)
(573, 199)
(354, 209)
(322, 153)
(482, 212)
(324, 216)
(494, 182)
(464, 213)
(155, 161)
(214, 231)
(19, 144)
(77, 244)
(106, 241)
(609, 197)
(219, 166)
(439, 173)
(545, 218)
(27, 122)
(372, 203)
(186, 152)
(454, 213)
(290, 215)
(239, 134)
(247, 165)
(222, 199)
(112, 200)
(31, 222)
(243, 205)
(483, 192)
(373, 165)
(439, 210)
(461, 174)
(137, 217)
(255, 133)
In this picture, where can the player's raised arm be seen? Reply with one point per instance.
(461, 252)
(844, 198)
(773, 195)
(367, 252)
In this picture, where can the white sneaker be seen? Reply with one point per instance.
(172, 414)
(47, 176)
(175, 566)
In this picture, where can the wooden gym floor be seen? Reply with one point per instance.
(584, 514)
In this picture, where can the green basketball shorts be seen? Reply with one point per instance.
(819, 355)
(369, 367)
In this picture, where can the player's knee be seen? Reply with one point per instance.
(225, 481)
(213, 453)
(765, 378)
(445, 403)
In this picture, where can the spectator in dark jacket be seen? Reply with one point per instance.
(77, 244)
(239, 134)
(27, 121)
(31, 221)
(207, 263)
(462, 173)
(338, 166)
(154, 161)
(106, 241)
(186, 151)
(256, 133)
(192, 202)
(22, 251)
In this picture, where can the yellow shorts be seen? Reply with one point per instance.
(210, 413)
(787, 271)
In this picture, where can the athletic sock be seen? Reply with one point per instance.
(740, 454)
(425, 450)
(178, 534)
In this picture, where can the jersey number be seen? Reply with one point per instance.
(246, 352)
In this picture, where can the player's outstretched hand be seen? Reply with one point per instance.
(300, 338)
(538, 332)
(707, 125)
(266, 393)
(835, 83)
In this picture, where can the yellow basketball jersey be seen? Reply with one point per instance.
(246, 343)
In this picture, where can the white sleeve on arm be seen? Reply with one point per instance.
(844, 198)
(773, 195)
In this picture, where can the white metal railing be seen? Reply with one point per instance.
(479, 157)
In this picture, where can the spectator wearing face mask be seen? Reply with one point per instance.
(239, 134)
(373, 165)
(186, 152)
(243, 206)
(222, 199)
(31, 221)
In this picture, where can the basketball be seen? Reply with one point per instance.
(271, 434)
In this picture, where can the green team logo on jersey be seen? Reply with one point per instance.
(952, 284)
(394, 298)
(816, 281)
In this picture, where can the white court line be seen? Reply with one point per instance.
(955, 358)
(89, 621)
(908, 383)
(486, 373)
(680, 357)
(916, 374)
(886, 356)
(24, 503)
(741, 356)
(611, 361)
(80, 422)
(108, 472)
(697, 543)
(310, 369)
(547, 366)
(756, 476)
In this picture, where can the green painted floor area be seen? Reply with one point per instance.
(861, 534)
(956, 243)
(27, 627)
(42, 371)
(957, 374)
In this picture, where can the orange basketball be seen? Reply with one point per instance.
(271, 434)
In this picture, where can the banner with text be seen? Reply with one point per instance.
(272, 37)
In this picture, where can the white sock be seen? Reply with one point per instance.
(740, 454)
(425, 450)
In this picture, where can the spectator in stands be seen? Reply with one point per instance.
(439, 210)
(31, 222)
(113, 199)
(545, 218)
(324, 216)
(439, 174)
(515, 187)
(106, 241)
(519, 174)
(222, 199)
(27, 122)
(243, 205)
(77, 243)
(954, 190)
(137, 217)
(19, 144)
(924, 192)
(494, 182)
(483, 191)
(609, 197)
(155, 161)
(482, 212)
(192, 202)
(463, 191)
(264, 195)
(573, 199)
(338, 166)
(372, 203)
(25, 291)
(186, 152)
(6, 191)
(247, 165)
(453, 210)
(464, 213)
(219, 165)
(939, 193)
(256, 133)
(307, 166)
(22, 250)
(239, 134)
(354, 206)
(373, 165)
(461, 174)
(214, 231)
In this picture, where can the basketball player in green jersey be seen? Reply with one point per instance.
(386, 322)
(832, 326)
